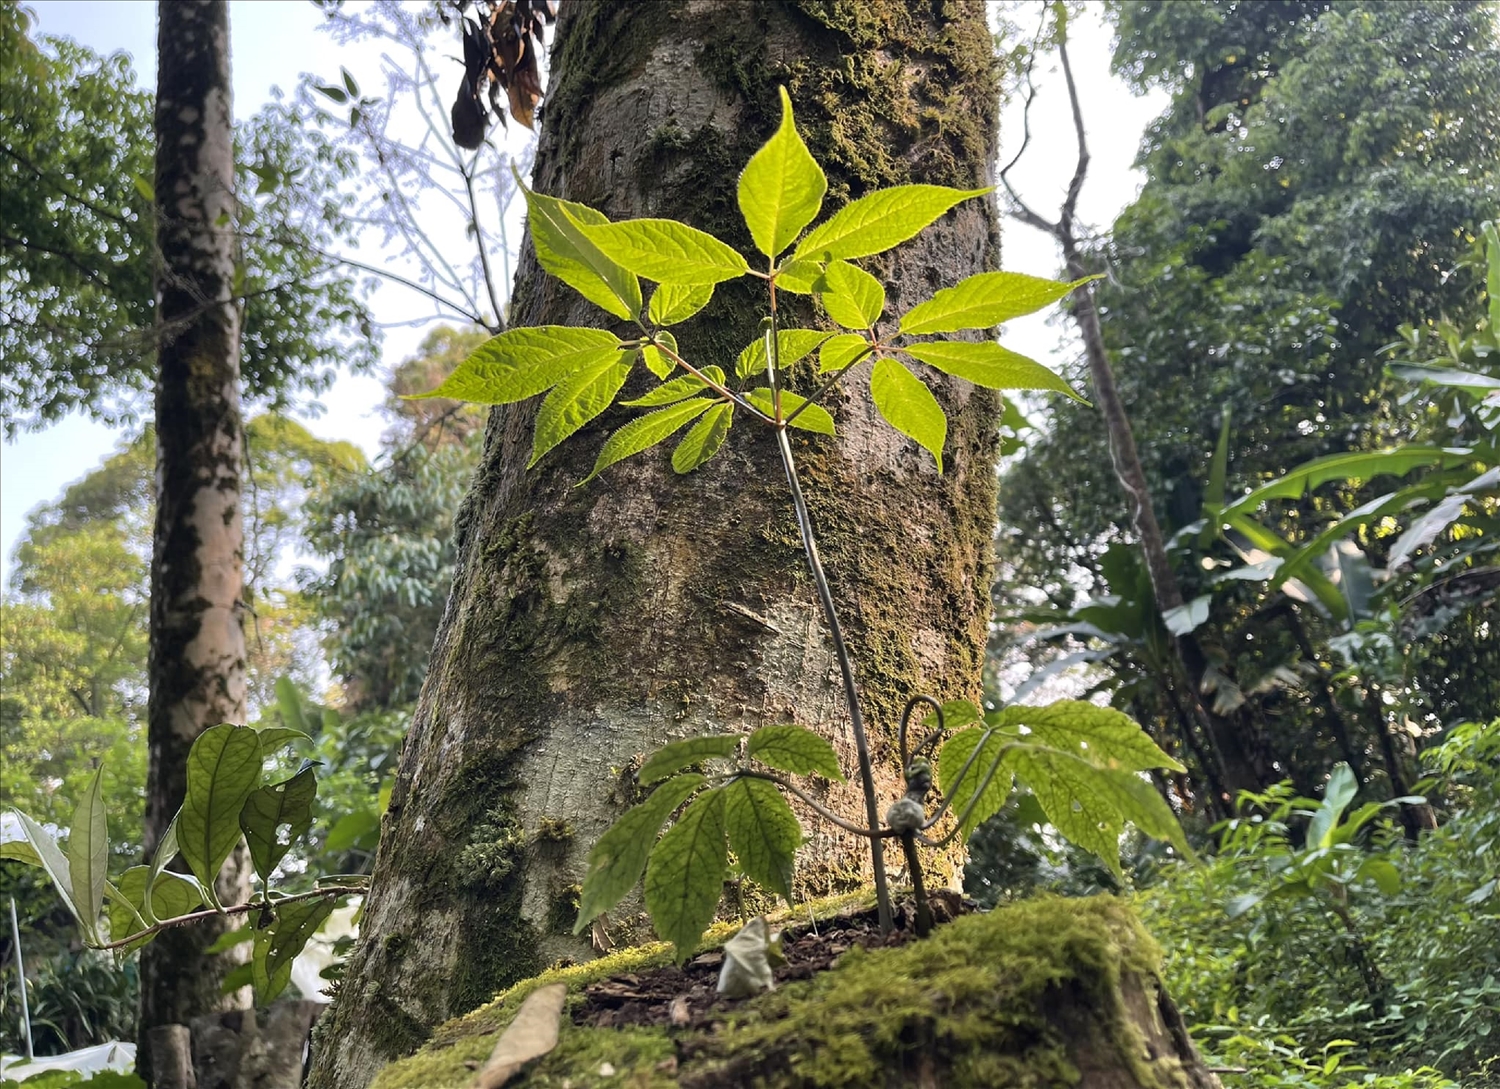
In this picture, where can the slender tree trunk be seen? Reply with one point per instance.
(197, 661)
(587, 626)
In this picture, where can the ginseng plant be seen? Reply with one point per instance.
(1083, 762)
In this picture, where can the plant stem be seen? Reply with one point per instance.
(238, 909)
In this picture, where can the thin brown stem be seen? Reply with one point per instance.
(238, 909)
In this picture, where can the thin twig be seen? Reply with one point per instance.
(238, 909)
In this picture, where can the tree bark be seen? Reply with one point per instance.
(587, 626)
(197, 658)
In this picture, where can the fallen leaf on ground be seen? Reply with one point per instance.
(531, 1035)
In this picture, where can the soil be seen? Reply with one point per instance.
(687, 996)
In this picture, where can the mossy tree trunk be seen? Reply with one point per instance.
(587, 626)
(197, 656)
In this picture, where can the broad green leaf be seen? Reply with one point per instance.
(956, 715)
(556, 228)
(277, 945)
(884, 218)
(704, 438)
(270, 808)
(781, 188)
(50, 858)
(685, 874)
(1491, 229)
(673, 303)
(763, 833)
(289, 703)
(1101, 735)
(798, 277)
(852, 297)
(223, 770)
(276, 737)
(1213, 495)
(520, 363)
(646, 431)
(1189, 616)
(988, 364)
(18, 850)
(667, 251)
(1313, 581)
(983, 300)
(358, 829)
(811, 418)
(166, 850)
(840, 351)
(1083, 802)
(577, 400)
(1385, 875)
(1150, 813)
(791, 346)
(691, 750)
(795, 749)
(991, 796)
(909, 406)
(172, 894)
(1452, 377)
(678, 389)
(1361, 465)
(619, 857)
(88, 854)
(657, 361)
(1342, 787)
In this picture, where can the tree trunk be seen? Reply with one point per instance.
(197, 661)
(587, 626)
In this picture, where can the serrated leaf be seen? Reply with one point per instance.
(520, 363)
(685, 873)
(656, 359)
(691, 750)
(1150, 813)
(50, 858)
(267, 809)
(811, 418)
(1101, 735)
(172, 894)
(556, 229)
(618, 859)
(667, 251)
(884, 218)
(223, 769)
(763, 833)
(909, 406)
(1082, 801)
(673, 303)
(984, 300)
(276, 946)
(576, 400)
(781, 188)
(956, 715)
(792, 345)
(276, 737)
(795, 749)
(678, 389)
(852, 297)
(987, 798)
(704, 438)
(840, 351)
(988, 364)
(88, 854)
(646, 431)
(798, 277)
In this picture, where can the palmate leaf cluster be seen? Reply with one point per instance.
(227, 800)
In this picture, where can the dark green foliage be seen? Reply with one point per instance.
(78, 999)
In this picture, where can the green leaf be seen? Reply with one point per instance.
(852, 297)
(685, 874)
(1385, 875)
(1361, 465)
(88, 854)
(811, 418)
(223, 770)
(1213, 495)
(166, 850)
(577, 400)
(791, 346)
(1100, 735)
(1342, 787)
(619, 857)
(1083, 802)
(704, 438)
(840, 351)
(909, 406)
(667, 251)
(952, 757)
(1491, 230)
(50, 858)
(264, 813)
(276, 946)
(276, 737)
(884, 218)
(795, 749)
(289, 703)
(798, 277)
(690, 750)
(656, 359)
(983, 300)
(1150, 813)
(782, 187)
(763, 833)
(520, 363)
(172, 894)
(673, 303)
(988, 364)
(678, 389)
(956, 715)
(356, 830)
(646, 431)
(556, 228)
(19, 850)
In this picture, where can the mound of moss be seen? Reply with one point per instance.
(1049, 992)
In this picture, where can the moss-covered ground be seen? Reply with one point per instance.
(995, 999)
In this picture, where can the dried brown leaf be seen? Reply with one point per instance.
(531, 1035)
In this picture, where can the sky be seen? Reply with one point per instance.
(274, 41)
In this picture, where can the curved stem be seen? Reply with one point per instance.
(238, 909)
(815, 806)
(718, 387)
(817, 394)
(973, 801)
